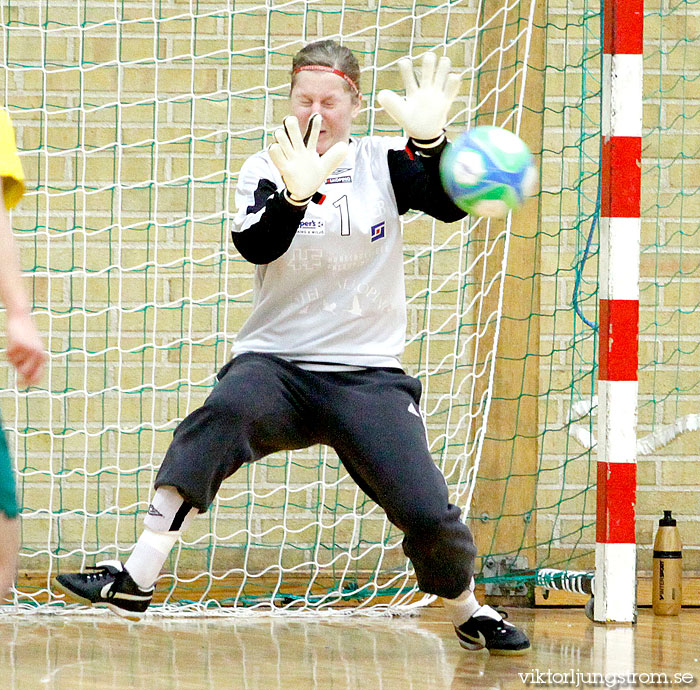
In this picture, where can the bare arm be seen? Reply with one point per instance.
(24, 347)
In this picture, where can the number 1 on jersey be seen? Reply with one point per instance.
(342, 206)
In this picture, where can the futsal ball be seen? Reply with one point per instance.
(488, 171)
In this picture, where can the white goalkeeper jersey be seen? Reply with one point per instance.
(337, 294)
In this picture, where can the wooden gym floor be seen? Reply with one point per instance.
(420, 653)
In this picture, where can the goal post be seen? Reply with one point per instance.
(620, 242)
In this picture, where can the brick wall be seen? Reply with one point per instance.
(669, 377)
(132, 130)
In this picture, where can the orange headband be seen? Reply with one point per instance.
(324, 68)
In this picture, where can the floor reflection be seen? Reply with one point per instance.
(421, 653)
(203, 654)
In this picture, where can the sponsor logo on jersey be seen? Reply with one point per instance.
(339, 175)
(312, 227)
(377, 231)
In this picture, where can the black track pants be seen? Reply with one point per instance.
(263, 404)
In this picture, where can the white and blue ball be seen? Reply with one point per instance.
(488, 171)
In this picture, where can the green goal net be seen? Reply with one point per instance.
(133, 120)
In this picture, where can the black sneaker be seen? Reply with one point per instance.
(483, 629)
(108, 584)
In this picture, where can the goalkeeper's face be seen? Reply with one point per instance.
(329, 95)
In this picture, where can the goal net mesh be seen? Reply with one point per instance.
(133, 119)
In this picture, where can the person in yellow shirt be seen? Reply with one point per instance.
(25, 350)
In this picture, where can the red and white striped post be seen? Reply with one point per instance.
(620, 230)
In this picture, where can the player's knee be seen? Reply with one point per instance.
(421, 525)
(430, 520)
(442, 528)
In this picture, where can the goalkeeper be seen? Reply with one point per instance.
(318, 361)
(24, 348)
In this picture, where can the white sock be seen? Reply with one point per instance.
(149, 554)
(462, 608)
(488, 612)
(168, 516)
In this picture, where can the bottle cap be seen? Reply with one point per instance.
(667, 520)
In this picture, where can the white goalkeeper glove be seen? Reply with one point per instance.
(422, 113)
(302, 169)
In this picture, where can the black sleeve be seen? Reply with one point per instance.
(271, 234)
(416, 182)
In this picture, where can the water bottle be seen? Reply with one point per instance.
(667, 587)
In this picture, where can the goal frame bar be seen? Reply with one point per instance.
(620, 236)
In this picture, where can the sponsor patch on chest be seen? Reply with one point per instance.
(312, 227)
(377, 231)
(339, 176)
